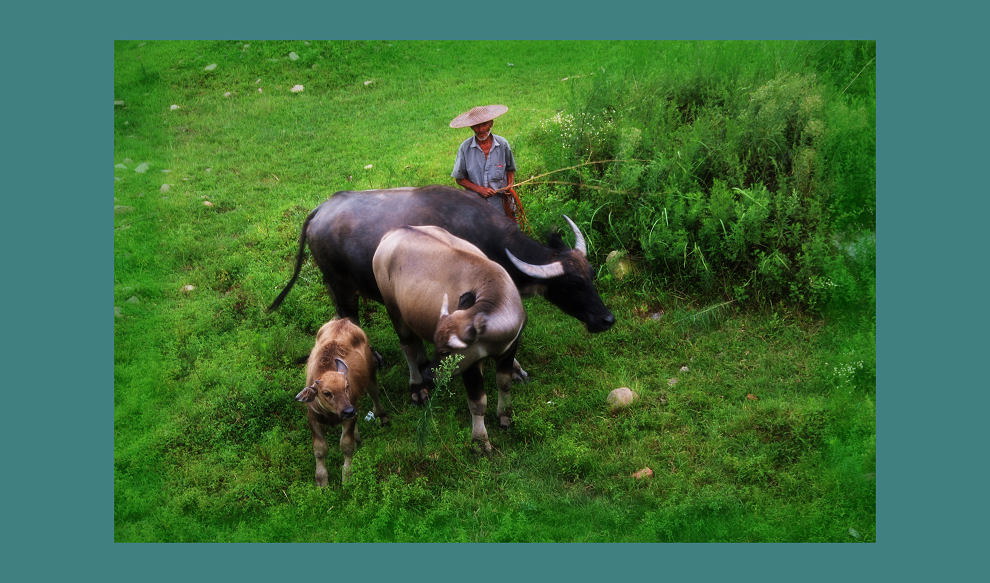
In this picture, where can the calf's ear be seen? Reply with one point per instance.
(306, 395)
(341, 366)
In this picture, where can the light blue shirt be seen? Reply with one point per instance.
(471, 163)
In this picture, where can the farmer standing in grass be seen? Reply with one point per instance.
(484, 162)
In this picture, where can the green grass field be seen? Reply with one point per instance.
(757, 419)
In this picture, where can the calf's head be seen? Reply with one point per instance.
(331, 393)
(460, 329)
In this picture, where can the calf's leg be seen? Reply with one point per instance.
(319, 450)
(348, 443)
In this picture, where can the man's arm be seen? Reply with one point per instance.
(482, 190)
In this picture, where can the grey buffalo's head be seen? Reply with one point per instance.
(331, 393)
(567, 281)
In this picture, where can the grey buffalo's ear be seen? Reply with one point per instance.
(480, 323)
(476, 327)
(341, 366)
(467, 300)
(306, 395)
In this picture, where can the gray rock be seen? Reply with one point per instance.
(621, 398)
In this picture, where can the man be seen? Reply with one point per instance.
(484, 162)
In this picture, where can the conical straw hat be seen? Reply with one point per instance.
(477, 115)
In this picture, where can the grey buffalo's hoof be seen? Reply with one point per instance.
(384, 420)
(419, 395)
(504, 422)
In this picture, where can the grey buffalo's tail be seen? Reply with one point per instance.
(300, 255)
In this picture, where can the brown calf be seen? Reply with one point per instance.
(340, 367)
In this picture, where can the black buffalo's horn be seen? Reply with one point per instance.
(579, 244)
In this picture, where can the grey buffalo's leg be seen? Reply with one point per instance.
(412, 349)
(319, 449)
(416, 359)
(477, 403)
(348, 443)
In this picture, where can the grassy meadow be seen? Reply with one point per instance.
(743, 202)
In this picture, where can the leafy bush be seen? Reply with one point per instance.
(719, 189)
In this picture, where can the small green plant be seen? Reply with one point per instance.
(443, 373)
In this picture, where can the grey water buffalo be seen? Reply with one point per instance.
(340, 368)
(343, 234)
(418, 270)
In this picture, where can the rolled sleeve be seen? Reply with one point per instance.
(460, 164)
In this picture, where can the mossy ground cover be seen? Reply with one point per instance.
(756, 409)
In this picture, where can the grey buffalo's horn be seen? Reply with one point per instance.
(579, 244)
(444, 307)
(554, 269)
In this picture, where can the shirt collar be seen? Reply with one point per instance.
(474, 141)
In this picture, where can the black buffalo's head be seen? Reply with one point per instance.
(567, 280)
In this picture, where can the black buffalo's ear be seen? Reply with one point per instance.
(555, 241)
(467, 300)
(306, 395)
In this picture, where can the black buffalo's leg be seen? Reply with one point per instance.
(504, 373)
(345, 301)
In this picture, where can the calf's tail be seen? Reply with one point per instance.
(300, 255)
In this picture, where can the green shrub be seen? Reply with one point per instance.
(721, 190)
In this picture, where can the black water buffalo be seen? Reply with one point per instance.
(344, 232)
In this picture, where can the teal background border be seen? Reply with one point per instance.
(59, 431)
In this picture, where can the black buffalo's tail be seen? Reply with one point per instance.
(300, 255)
